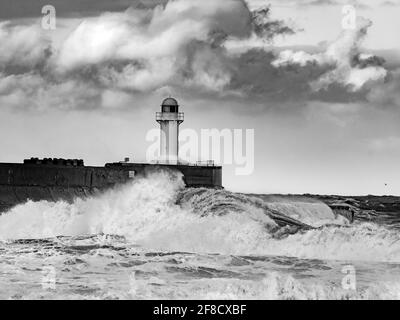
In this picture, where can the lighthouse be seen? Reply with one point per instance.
(169, 119)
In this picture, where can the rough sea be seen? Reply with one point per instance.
(154, 239)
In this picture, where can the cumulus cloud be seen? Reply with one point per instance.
(154, 43)
(349, 66)
(22, 46)
(204, 47)
(175, 44)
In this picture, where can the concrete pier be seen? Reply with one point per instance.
(59, 179)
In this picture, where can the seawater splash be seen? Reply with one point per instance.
(126, 210)
(145, 212)
(158, 213)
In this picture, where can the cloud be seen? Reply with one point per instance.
(138, 34)
(386, 94)
(266, 28)
(144, 51)
(350, 67)
(32, 91)
(217, 49)
(177, 44)
(22, 46)
(209, 69)
(10, 9)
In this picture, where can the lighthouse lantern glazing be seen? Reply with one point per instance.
(169, 119)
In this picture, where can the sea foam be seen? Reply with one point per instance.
(156, 212)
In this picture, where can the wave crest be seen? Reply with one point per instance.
(158, 213)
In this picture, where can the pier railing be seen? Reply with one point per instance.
(160, 116)
(206, 163)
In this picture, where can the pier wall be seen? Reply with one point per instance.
(193, 176)
(22, 182)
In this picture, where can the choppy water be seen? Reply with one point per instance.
(155, 239)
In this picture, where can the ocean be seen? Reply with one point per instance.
(154, 239)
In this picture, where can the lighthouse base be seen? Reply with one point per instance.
(193, 175)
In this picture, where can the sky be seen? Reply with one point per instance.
(322, 97)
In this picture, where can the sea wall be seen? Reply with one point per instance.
(22, 182)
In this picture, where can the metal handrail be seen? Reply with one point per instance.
(206, 163)
(161, 115)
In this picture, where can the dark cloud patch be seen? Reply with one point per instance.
(387, 95)
(337, 93)
(257, 78)
(391, 57)
(267, 28)
(364, 61)
(12, 9)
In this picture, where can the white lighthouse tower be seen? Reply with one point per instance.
(169, 119)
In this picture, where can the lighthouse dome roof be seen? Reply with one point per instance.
(169, 102)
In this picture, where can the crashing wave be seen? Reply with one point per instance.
(159, 213)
